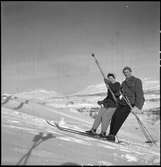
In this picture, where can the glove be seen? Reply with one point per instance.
(136, 110)
(100, 102)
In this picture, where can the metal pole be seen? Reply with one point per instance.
(143, 128)
(104, 77)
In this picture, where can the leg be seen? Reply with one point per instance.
(107, 115)
(98, 119)
(118, 119)
(113, 120)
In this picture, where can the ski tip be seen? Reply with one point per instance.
(52, 123)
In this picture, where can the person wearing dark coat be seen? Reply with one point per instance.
(131, 88)
(109, 106)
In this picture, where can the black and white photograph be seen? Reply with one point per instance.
(80, 83)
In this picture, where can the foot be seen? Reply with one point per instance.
(111, 138)
(91, 132)
(102, 134)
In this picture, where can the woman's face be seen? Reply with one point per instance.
(111, 79)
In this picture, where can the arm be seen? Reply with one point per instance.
(139, 94)
(107, 82)
(102, 101)
(117, 90)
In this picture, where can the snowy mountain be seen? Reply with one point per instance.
(148, 86)
(151, 92)
(151, 85)
(39, 94)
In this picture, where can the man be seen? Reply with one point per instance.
(132, 89)
(109, 106)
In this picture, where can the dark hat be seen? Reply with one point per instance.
(111, 74)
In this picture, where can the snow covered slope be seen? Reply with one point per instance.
(23, 122)
(151, 92)
(22, 126)
(20, 129)
(38, 94)
(148, 86)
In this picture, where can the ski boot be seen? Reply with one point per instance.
(111, 138)
(91, 132)
(102, 134)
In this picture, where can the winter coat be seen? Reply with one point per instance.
(132, 89)
(109, 101)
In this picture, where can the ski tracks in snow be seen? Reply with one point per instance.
(20, 121)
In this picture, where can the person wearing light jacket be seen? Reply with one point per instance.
(131, 88)
(109, 106)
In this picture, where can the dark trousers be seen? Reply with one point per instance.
(118, 118)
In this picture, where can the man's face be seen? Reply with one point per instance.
(127, 73)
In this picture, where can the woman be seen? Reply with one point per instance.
(109, 106)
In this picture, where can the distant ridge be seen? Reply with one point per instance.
(39, 94)
(149, 86)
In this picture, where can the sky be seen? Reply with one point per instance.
(48, 45)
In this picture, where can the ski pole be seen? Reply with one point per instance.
(146, 132)
(143, 128)
(97, 63)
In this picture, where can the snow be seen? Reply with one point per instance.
(148, 85)
(152, 98)
(78, 105)
(20, 126)
(38, 94)
(130, 157)
(151, 105)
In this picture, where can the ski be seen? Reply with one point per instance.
(55, 124)
(122, 141)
